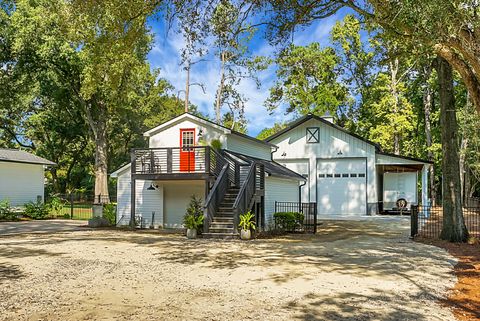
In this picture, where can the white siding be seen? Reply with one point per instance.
(177, 196)
(146, 202)
(170, 137)
(301, 167)
(21, 183)
(248, 147)
(169, 201)
(392, 160)
(280, 190)
(333, 143)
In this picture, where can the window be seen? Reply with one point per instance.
(329, 175)
(361, 175)
(344, 175)
(353, 175)
(321, 175)
(337, 175)
(313, 135)
(187, 139)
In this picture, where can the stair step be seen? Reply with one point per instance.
(221, 230)
(220, 235)
(221, 227)
(222, 219)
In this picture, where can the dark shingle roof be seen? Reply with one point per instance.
(271, 167)
(20, 156)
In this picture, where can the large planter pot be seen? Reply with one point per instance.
(191, 233)
(245, 234)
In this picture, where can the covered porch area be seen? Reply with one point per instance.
(401, 182)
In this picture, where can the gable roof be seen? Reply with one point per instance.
(20, 156)
(207, 122)
(307, 117)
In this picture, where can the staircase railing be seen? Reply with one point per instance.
(247, 191)
(215, 197)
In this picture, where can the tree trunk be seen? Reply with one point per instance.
(98, 125)
(394, 92)
(218, 103)
(187, 87)
(427, 108)
(454, 229)
(101, 173)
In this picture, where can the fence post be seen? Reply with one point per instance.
(414, 221)
(314, 217)
(71, 206)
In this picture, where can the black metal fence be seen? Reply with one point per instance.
(427, 221)
(75, 206)
(309, 211)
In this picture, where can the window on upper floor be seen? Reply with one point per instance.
(313, 135)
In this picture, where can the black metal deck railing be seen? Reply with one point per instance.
(177, 160)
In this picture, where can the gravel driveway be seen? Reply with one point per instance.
(366, 270)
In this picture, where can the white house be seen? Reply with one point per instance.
(22, 177)
(347, 174)
(179, 163)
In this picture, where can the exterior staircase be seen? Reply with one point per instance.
(221, 226)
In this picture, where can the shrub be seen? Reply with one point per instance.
(36, 210)
(288, 221)
(55, 206)
(193, 223)
(193, 218)
(6, 211)
(109, 212)
(247, 221)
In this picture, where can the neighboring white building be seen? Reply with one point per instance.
(22, 177)
(180, 163)
(346, 173)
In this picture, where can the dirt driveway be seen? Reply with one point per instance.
(366, 270)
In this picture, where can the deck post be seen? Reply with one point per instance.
(132, 189)
(207, 159)
(425, 184)
(169, 160)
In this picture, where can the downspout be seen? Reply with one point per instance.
(271, 153)
(300, 194)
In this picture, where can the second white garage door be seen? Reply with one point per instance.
(341, 187)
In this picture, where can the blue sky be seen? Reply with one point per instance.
(165, 55)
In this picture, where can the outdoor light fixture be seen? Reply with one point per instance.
(200, 133)
(340, 152)
(152, 187)
(284, 154)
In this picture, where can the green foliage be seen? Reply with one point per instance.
(288, 221)
(109, 212)
(6, 211)
(36, 210)
(267, 132)
(193, 222)
(216, 144)
(247, 221)
(307, 81)
(55, 206)
(193, 218)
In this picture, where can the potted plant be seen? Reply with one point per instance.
(247, 224)
(192, 223)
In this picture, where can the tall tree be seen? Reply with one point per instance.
(307, 81)
(454, 228)
(97, 49)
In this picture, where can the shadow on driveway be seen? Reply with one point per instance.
(44, 226)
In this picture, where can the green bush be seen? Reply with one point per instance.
(109, 212)
(288, 221)
(193, 223)
(36, 210)
(6, 211)
(55, 206)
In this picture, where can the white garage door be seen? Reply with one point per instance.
(300, 167)
(341, 187)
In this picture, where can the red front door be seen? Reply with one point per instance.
(187, 153)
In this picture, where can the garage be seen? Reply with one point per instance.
(341, 186)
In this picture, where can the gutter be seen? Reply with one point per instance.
(300, 191)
